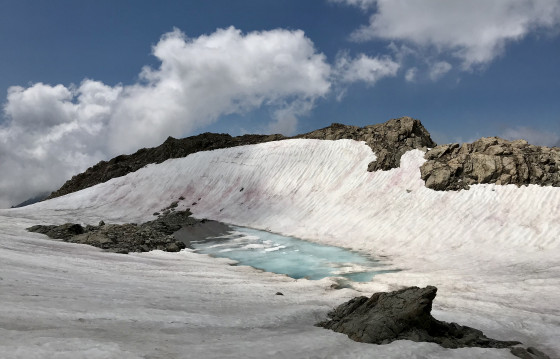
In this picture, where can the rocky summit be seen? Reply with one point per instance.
(403, 314)
(389, 140)
(490, 160)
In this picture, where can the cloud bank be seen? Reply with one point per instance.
(472, 32)
(53, 132)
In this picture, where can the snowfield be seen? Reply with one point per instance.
(492, 251)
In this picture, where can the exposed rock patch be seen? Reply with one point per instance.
(490, 160)
(403, 314)
(125, 238)
(171, 148)
(389, 140)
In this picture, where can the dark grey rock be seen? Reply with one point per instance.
(403, 314)
(173, 247)
(64, 232)
(490, 160)
(124, 238)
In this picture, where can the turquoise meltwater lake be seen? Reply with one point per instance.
(291, 256)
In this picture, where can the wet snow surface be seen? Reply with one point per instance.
(291, 256)
(492, 251)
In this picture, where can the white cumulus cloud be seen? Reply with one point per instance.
(439, 69)
(52, 132)
(364, 68)
(363, 4)
(474, 32)
(410, 74)
(224, 73)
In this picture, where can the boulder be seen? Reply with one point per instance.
(403, 314)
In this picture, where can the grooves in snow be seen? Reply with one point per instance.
(492, 251)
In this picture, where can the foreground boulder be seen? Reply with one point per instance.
(389, 140)
(490, 160)
(403, 314)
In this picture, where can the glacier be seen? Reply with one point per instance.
(493, 252)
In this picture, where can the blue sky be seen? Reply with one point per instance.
(74, 90)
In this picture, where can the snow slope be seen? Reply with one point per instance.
(492, 251)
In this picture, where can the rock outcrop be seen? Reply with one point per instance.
(389, 140)
(171, 148)
(125, 238)
(403, 314)
(490, 160)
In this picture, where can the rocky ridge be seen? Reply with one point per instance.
(389, 140)
(171, 148)
(406, 314)
(490, 160)
(447, 167)
(128, 237)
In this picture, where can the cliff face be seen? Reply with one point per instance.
(171, 148)
(389, 140)
(490, 160)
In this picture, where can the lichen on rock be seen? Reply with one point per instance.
(490, 160)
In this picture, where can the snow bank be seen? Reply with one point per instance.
(493, 251)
